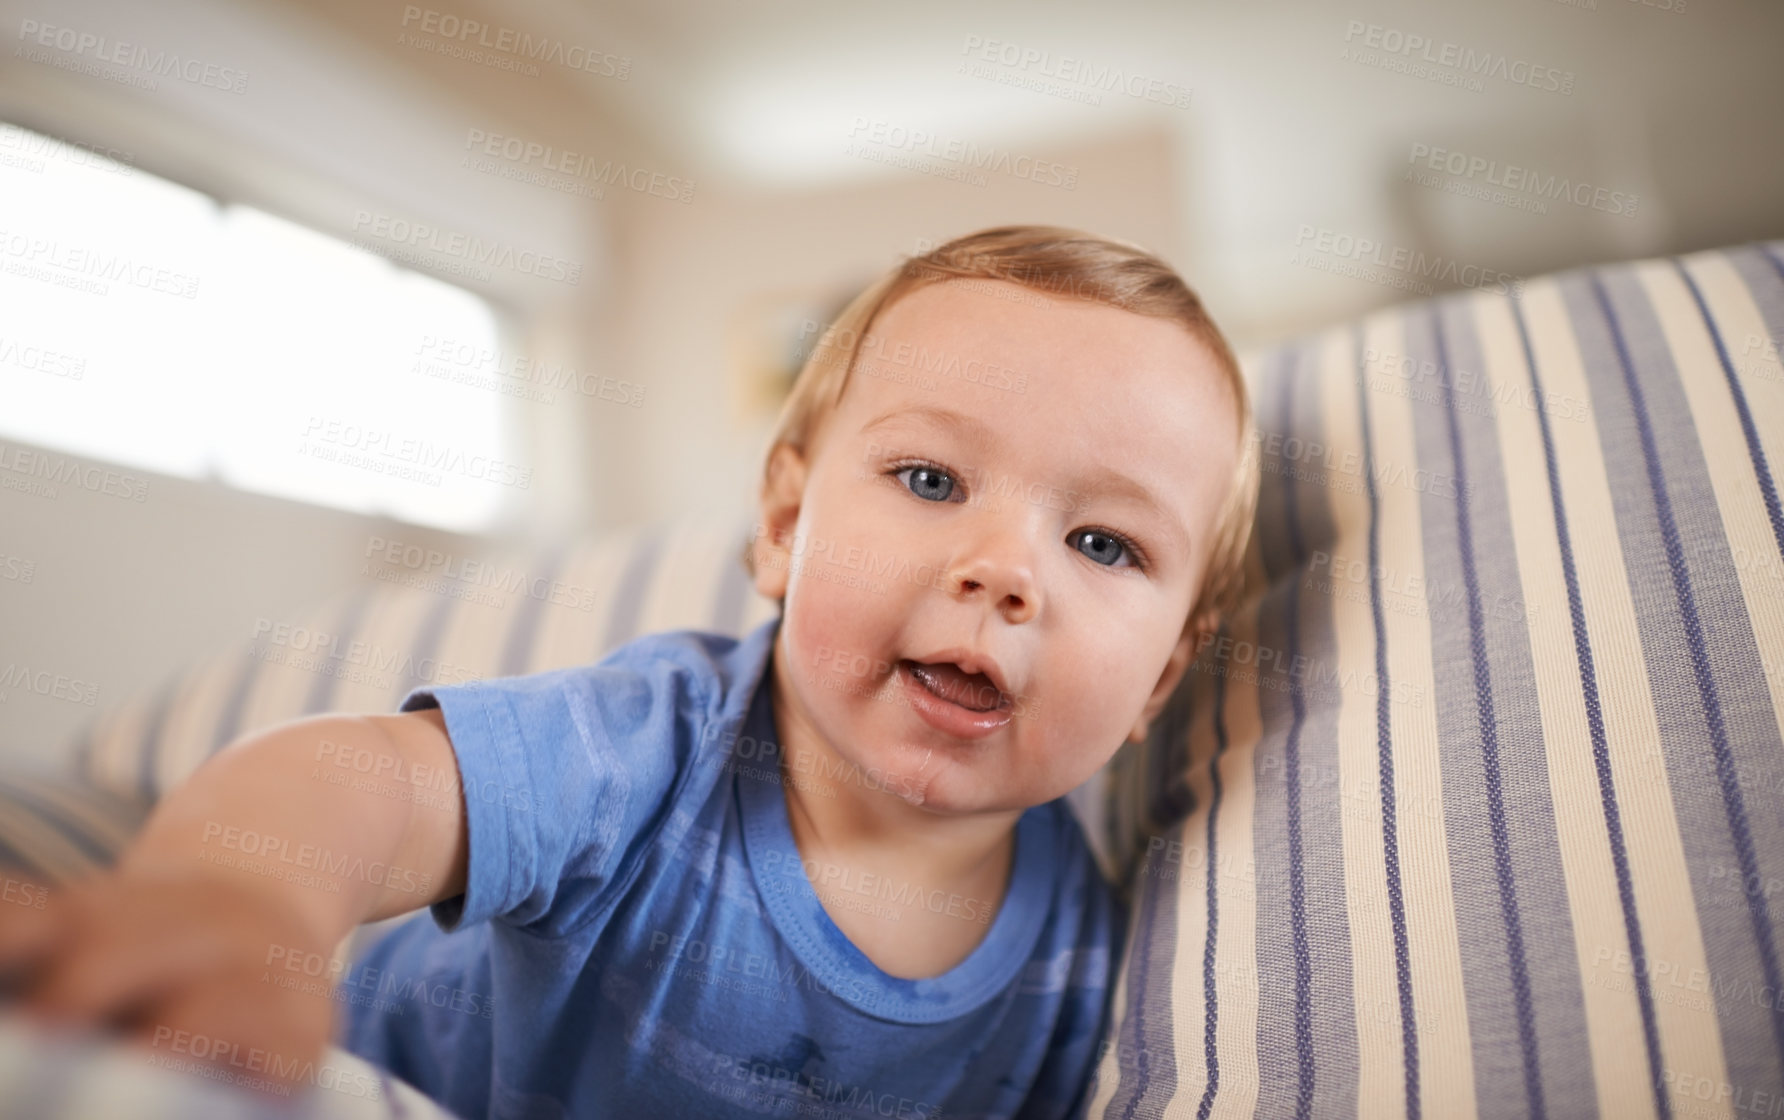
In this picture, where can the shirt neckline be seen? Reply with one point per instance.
(828, 954)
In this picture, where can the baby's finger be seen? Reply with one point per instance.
(27, 937)
(124, 944)
(251, 1030)
(106, 968)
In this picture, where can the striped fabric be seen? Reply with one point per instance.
(1476, 809)
(568, 605)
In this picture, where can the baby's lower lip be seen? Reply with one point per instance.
(948, 717)
(953, 692)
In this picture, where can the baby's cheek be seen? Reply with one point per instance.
(1108, 698)
(833, 633)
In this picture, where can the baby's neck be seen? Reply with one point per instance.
(913, 919)
(914, 889)
(844, 813)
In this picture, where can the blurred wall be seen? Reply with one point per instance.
(1257, 147)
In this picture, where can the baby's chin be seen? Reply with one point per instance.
(938, 779)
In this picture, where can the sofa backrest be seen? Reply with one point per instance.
(1476, 809)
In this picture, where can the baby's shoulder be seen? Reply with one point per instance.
(677, 668)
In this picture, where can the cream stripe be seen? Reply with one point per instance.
(682, 583)
(1446, 1058)
(277, 692)
(1235, 951)
(1754, 548)
(118, 748)
(1644, 799)
(1743, 329)
(475, 639)
(757, 610)
(377, 656)
(1381, 1071)
(568, 635)
(192, 721)
(1613, 1020)
(613, 555)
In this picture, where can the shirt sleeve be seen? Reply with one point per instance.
(565, 775)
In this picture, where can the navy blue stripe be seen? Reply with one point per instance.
(124, 815)
(1489, 732)
(1390, 838)
(1767, 488)
(1140, 1040)
(1134, 1029)
(523, 627)
(1305, 1066)
(1210, 990)
(230, 719)
(1144, 1035)
(149, 749)
(49, 818)
(1601, 759)
(1766, 252)
(82, 751)
(1726, 776)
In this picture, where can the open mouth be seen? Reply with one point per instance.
(973, 691)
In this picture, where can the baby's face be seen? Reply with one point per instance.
(1052, 539)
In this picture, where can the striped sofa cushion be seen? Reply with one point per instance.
(1476, 809)
(406, 628)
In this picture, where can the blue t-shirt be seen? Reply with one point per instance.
(639, 938)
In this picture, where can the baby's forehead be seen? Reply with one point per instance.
(998, 350)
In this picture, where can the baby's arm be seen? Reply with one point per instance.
(278, 785)
(267, 851)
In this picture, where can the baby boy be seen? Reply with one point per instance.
(825, 869)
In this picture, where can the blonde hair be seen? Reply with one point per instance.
(1061, 262)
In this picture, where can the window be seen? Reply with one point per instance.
(144, 324)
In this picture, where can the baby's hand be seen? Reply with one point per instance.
(177, 962)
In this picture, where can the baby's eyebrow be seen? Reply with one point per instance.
(970, 426)
(1101, 481)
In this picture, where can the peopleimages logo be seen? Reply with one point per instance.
(879, 139)
(1390, 48)
(576, 165)
(1074, 79)
(416, 452)
(475, 37)
(473, 250)
(1523, 179)
(1413, 265)
(132, 56)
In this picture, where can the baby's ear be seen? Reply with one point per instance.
(771, 542)
(1183, 655)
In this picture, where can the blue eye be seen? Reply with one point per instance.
(928, 483)
(1105, 547)
(1102, 545)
